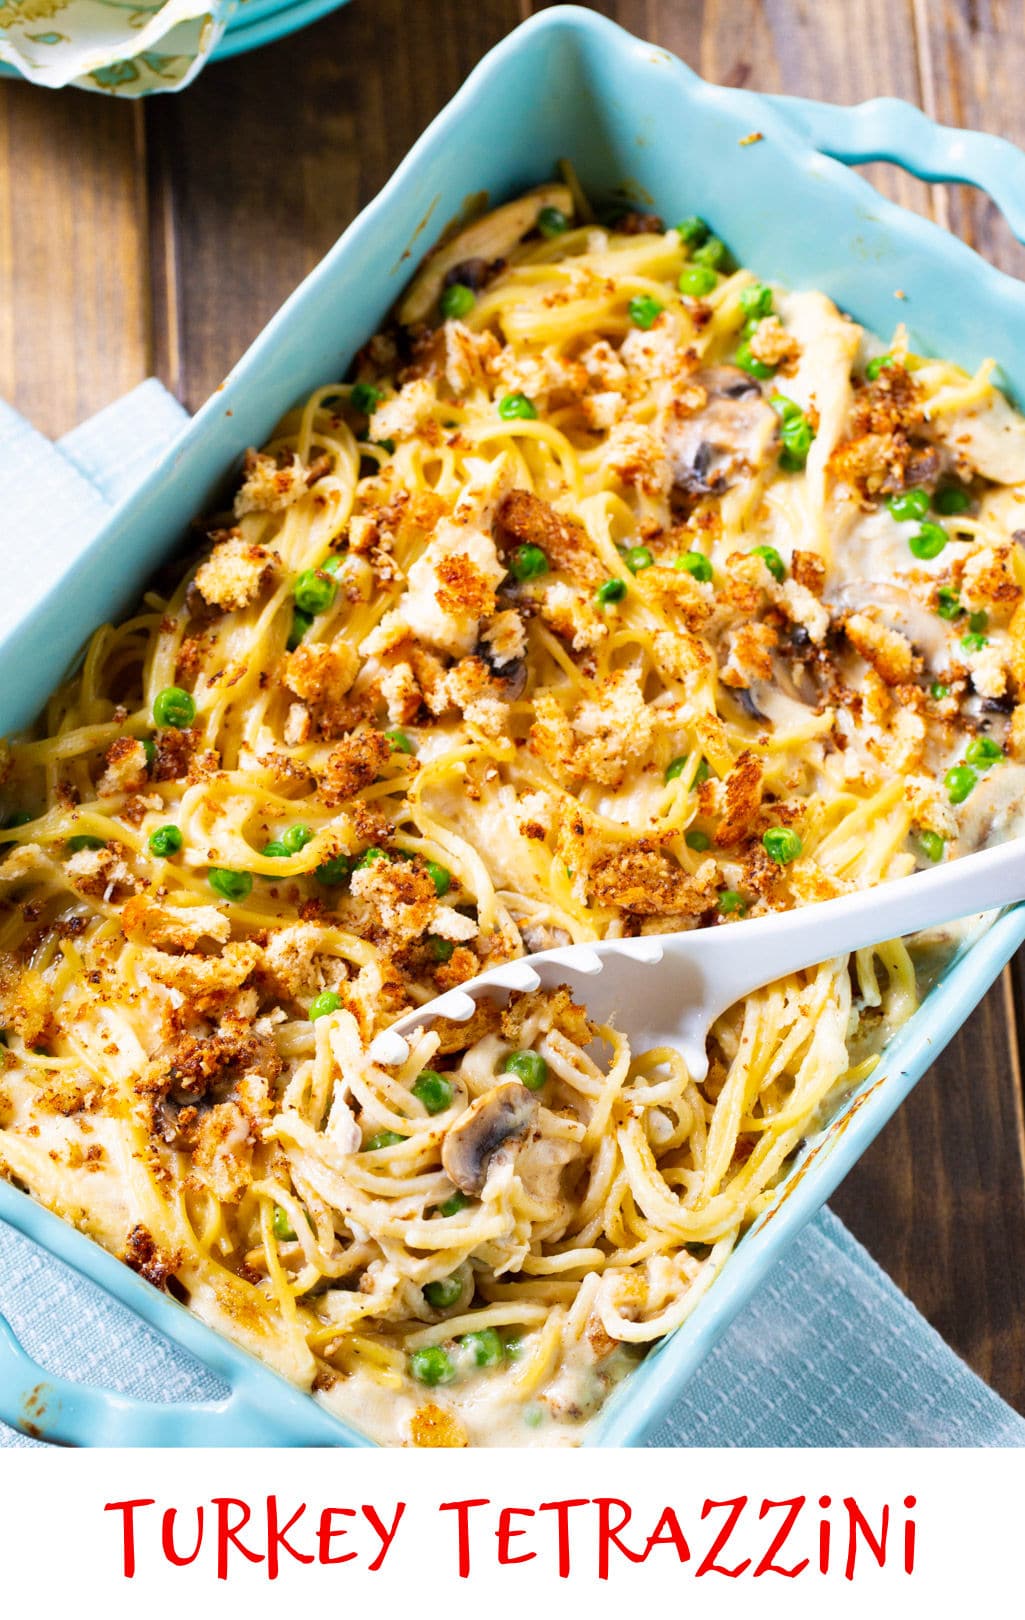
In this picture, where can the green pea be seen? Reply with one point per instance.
(486, 1346)
(275, 849)
(796, 432)
(151, 752)
(528, 562)
(296, 837)
(515, 1343)
(782, 844)
(382, 1139)
(440, 949)
(692, 231)
(983, 752)
(697, 840)
(516, 408)
(974, 642)
(928, 542)
(938, 691)
(978, 622)
(440, 876)
(165, 841)
(677, 767)
(443, 1293)
(711, 252)
(331, 564)
(387, 445)
(786, 409)
(327, 1002)
(228, 884)
(798, 438)
(365, 397)
(453, 1205)
(552, 222)
(530, 1067)
(931, 844)
(173, 707)
(333, 872)
(314, 591)
(877, 364)
(282, 1225)
(951, 500)
(697, 280)
(732, 901)
(948, 603)
(638, 558)
(401, 744)
(772, 560)
(644, 311)
(696, 563)
(369, 856)
(300, 624)
(85, 841)
(747, 362)
(908, 507)
(959, 781)
(613, 590)
(434, 1090)
(431, 1365)
(756, 301)
(457, 300)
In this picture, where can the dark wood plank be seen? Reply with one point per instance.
(250, 187)
(938, 1200)
(972, 56)
(74, 324)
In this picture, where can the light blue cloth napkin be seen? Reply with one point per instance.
(829, 1353)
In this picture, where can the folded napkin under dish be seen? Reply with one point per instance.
(128, 49)
(828, 1353)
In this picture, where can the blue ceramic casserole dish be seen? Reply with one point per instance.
(630, 117)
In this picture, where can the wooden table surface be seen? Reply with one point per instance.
(159, 236)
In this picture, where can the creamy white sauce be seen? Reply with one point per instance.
(485, 1404)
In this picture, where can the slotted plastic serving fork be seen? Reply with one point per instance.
(704, 971)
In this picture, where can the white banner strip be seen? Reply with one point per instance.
(404, 1532)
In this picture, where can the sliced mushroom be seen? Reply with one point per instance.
(728, 382)
(512, 672)
(501, 1118)
(634, 223)
(492, 237)
(728, 437)
(538, 937)
(745, 698)
(900, 611)
(919, 467)
(472, 273)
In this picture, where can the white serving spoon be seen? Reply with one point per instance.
(705, 970)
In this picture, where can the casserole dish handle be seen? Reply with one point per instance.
(48, 1407)
(892, 131)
